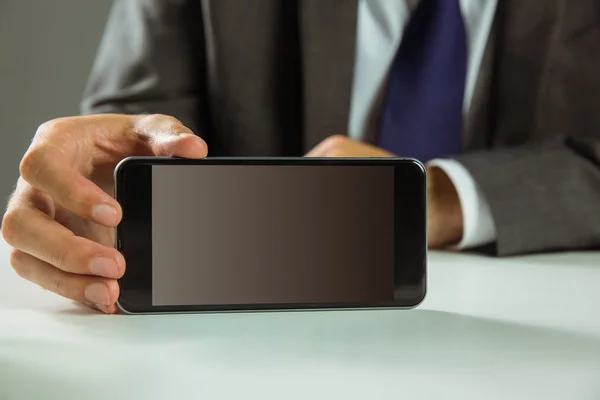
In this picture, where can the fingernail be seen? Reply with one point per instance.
(102, 307)
(104, 267)
(97, 293)
(105, 214)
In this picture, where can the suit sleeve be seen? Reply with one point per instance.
(149, 61)
(543, 197)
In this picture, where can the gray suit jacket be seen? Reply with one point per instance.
(273, 78)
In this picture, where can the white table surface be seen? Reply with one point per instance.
(522, 328)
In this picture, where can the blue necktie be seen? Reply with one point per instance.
(422, 116)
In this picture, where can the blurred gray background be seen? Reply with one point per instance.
(46, 52)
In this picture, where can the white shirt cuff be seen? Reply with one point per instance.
(478, 224)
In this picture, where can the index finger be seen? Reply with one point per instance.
(46, 170)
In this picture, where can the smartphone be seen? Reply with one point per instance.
(249, 234)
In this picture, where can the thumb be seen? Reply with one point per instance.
(65, 152)
(184, 145)
(167, 136)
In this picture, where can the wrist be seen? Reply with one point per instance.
(444, 211)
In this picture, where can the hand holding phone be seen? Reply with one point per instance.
(60, 220)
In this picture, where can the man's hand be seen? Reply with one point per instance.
(61, 217)
(444, 211)
(342, 146)
(444, 219)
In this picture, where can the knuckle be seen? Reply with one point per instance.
(15, 257)
(57, 284)
(50, 126)
(10, 225)
(18, 264)
(30, 164)
(61, 257)
(36, 155)
(44, 129)
(72, 194)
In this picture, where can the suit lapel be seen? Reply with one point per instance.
(507, 95)
(328, 39)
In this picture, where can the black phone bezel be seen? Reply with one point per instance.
(133, 236)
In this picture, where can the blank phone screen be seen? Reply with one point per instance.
(275, 234)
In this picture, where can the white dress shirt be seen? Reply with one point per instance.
(380, 28)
